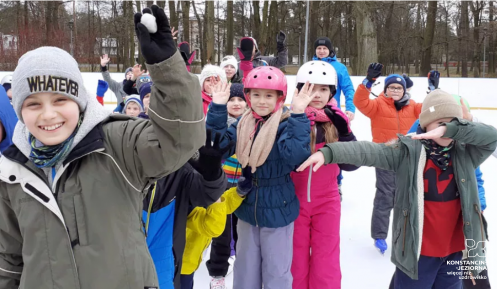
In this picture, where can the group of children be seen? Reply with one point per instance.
(91, 199)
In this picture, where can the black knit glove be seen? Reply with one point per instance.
(339, 119)
(246, 48)
(210, 157)
(433, 79)
(159, 46)
(374, 71)
(281, 41)
(245, 182)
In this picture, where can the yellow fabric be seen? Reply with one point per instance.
(204, 224)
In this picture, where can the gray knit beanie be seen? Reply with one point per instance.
(47, 69)
(438, 104)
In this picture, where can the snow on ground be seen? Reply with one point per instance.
(362, 265)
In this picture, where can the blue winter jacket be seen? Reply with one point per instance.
(344, 82)
(8, 118)
(479, 179)
(272, 201)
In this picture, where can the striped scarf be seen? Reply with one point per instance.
(47, 156)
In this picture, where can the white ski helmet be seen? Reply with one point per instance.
(318, 72)
(6, 79)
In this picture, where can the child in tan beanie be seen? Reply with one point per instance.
(437, 208)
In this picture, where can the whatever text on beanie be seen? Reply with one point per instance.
(438, 104)
(394, 78)
(323, 41)
(47, 69)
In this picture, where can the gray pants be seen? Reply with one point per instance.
(263, 256)
(383, 203)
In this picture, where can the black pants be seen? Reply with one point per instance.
(187, 281)
(218, 264)
(383, 203)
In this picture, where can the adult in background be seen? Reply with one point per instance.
(324, 52)
(114, 86)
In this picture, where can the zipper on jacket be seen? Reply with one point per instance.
(404, 238)
(398, 121)
(256, 198)
(481, 226)
(309, 185)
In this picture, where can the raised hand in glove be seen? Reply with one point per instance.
(210, 157)
(245, 182)
(433, 79)
(184, 48)
(159, 46)
(246, 49)
(280, 41)
(339, 119)
(374, 71)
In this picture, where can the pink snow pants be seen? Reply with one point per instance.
(316, 239)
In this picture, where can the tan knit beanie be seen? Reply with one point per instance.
(438, 104)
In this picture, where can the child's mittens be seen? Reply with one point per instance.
(339, 119)
(102, 88)
(374, 71)
(245, 182)
(433, 79)
(149, 21)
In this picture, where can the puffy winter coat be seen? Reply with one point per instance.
(272, 202)
(169, 202)
(84, 231)
(203, 225)
(474, 143)
(8, 120)
(386, 121)
(344, 82)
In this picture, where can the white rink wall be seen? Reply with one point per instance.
(480, 92)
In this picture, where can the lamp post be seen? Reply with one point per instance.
(300, 41)
(484, 46)
(71, 27)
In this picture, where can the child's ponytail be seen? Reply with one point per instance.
(330, 134)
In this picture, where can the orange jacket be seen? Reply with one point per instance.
(386, 121)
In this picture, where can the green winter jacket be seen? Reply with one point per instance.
(474, 142)
(84, 230)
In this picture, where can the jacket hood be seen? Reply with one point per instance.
(8, 118)
(93, 115)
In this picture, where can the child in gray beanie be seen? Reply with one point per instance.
(71, 186)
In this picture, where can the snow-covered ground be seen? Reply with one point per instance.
(362, 265)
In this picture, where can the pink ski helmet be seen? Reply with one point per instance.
(266, 77)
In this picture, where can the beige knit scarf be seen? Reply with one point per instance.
(255, 153)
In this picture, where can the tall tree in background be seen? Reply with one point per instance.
(185, 7)
(209, 31)
(367, 44)
(491, 47)
(173, 16)
(464, 38)
(230, 29)
(200, 26)
(477, 43)
(256, 19)
(313, 27)
(428, 38)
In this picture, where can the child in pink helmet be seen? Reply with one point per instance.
(272, 141)
(318, 226)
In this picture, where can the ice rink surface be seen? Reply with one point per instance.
(362, 265)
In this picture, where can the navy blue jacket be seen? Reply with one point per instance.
(8, 118)
(272, 202)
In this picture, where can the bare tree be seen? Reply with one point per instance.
(428, 38)
(229, 25)
(464, 38)
(367, 51)
(185, 7)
